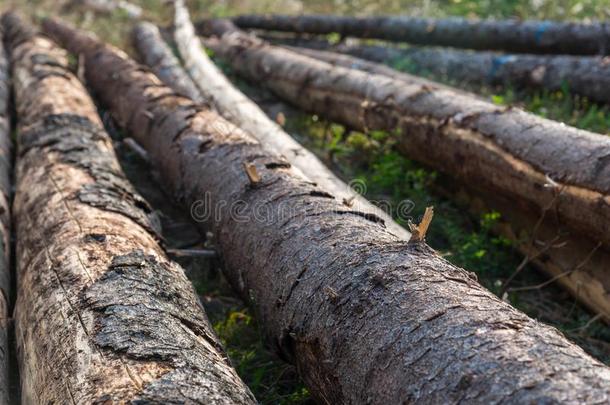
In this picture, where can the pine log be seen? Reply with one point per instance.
(367, 318)
(506, 35)
(233, 105)
(539, 164)
(5, 222)
(588, 76)
(102, 316)
(156, 54)
(573, 261)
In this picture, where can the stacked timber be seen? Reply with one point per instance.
(102, 315)
(365, 316)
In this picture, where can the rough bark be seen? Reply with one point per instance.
(535, 162)
(574, 262)
(507, 35)
(233, 105)
(367, 318)
(156, 54)
(339, 55)
(587, 76)
(5, 222)
(102, 316)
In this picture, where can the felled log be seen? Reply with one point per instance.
(540, 164)
(101, 315)
(5, 221)
(506, 35)
(587, 76)
(575, 262)
(365, 317)
(239, 109)
(156, 54)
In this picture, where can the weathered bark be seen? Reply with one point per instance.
(587, 76)
(101, 315)
(155, 53)
(243, 112)
(507, 35)
(367, 318)
(324, 51)
(5, 222)
(536, 162)
(573, 261)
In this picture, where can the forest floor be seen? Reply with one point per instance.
(464, 238)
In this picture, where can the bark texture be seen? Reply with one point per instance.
(507, 35)
(587, 76)
(575, 262)
(367, 318)
(233, 105)
(102, 316)
(535, 162)
(5, 222)
(156, 54)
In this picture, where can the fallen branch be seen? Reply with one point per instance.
(365, 316)
(237, 108)
(506, 35)
(101, 315)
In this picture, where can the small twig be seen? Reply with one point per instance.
(252, 173)
(558, 276)
(418, 232)
(137, 149)
(532, 240)
(589, 323)
(206, 253)
(80, 68)
(526, 260)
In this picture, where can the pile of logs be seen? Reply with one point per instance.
(365, 310)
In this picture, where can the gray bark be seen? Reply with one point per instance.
(102, 316)
(5, 222)
(587, 76)
(535, 162)
(568, 261)
(240, 110)
(156, 54)
(507, 35)
(367, 318)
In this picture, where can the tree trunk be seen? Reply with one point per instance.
(156, 54)
(339, 55)
(5, 222)
(243, 112)
(539, 164)
(101, 315)
(367, 318)
(507, 35)
(575, 262)
(587, 76)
